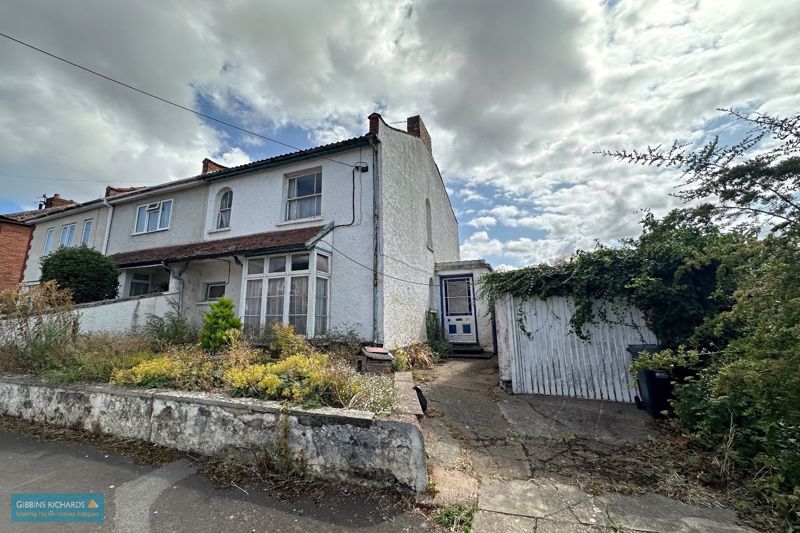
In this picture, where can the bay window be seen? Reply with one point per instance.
(287, 289)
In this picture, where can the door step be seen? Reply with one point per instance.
(470, 351)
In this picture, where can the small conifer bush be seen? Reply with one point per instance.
(216, 323)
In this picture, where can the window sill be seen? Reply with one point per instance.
(219, 230)
(298, 221)
(148, 232)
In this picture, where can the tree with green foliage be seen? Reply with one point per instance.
(90, 275)
(217, 322)
(757, 177)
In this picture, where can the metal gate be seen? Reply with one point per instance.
(555, 361)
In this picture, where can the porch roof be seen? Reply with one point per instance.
(298, 238)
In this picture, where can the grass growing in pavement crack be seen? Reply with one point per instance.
(455, 517)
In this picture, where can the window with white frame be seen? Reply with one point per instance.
(224, 211)
(288, 289)
(140, 284)
(304, 196)
(215, 290)
(153, 217)
(87, 231)
(67, 235)
(48, 240)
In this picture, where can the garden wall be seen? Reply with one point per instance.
(123, 314)
(337, 444)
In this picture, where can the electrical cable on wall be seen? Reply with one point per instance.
(371, 269)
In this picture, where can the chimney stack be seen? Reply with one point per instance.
(211, 166)
(56, 201)
(416, 127)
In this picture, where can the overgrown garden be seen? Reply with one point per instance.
(40, 334)
(719, 284)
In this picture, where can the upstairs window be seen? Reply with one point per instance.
(224, 212)
(304, 196)
(48, 240)
(67, 235)
(153, 217)
(87, 231)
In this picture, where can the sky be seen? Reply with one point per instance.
(517, 96)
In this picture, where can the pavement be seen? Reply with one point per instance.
(505, 454)
(176, 499)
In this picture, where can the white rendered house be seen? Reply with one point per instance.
(358, 234)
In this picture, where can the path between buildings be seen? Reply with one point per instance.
(509, 453)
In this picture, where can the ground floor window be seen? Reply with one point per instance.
(140, 284)
(288, 289)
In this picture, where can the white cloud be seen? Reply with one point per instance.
(479, 245)
(482, 222)
(516, 98)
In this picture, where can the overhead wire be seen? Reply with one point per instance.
(161, 98)
(371, 269)
(200, 114)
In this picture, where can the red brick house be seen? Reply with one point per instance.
(15, 239)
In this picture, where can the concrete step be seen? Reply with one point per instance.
(467, 348)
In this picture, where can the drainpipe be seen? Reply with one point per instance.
(375, 243)
(108, 225)
(177, 275)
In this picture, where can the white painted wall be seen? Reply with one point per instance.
(409, 176)
(556, 362)
(123, 315)
(98, 215)
(186, 225)
(259, 206)
(201, 273)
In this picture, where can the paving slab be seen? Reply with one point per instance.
(453, 487)
(491, 522)
(442, 448)
(653, 512)
(540, 499)
(554, 417)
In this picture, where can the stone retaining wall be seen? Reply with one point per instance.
(337, 444)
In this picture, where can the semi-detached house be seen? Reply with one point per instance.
(358, 234)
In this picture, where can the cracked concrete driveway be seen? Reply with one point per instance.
(512, 451)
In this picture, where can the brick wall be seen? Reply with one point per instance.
(14, 242)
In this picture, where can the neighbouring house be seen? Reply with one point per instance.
(357, 234)
(15, 238)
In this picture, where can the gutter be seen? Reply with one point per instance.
(177, 276)
(108, 226)
(375, 245)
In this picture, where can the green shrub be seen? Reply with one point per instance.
(343, 344)
(282, 341)
(172, 329)
(436, 337)
(90, 275)
(400, 361)
(217, 321)
(310, 378)
(184, 367)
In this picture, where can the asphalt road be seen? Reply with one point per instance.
(174, 498)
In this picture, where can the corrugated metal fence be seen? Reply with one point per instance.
(557, 362)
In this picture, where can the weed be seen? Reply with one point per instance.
(455, 517)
